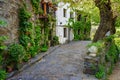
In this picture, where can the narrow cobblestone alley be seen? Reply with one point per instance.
(65, 63)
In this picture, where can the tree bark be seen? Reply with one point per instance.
(107, 20)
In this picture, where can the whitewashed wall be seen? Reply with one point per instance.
(64, 20)
(59, 33)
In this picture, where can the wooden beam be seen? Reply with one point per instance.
(45, 9)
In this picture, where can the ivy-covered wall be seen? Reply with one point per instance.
(36, 28)
(26, 32)
(9, 19)
(9, 32)
(81, 26)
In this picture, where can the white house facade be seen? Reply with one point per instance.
(63, 14)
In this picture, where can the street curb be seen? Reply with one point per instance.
(33, 61)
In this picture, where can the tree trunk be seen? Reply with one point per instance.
(107, 20)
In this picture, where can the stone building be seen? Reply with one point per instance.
(63, 14)
(9, 16)
(48, 17)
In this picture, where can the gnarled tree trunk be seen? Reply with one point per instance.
(107, 20)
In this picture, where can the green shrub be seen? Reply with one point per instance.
(2, 45)
(1, 59)
(117, 33)
(24, 40)
(2, 48)
(101, 72)
(110, 70)
(55, 40)
(3, 23)
(2, 75)
(109, 38)
(111, 57)
(107, 58)
(113, 54)
(16, 54)
(110, 51)
(79, 37)
(26, 57)
(33, 51)
(81, 28)
(44, 48)
(117, 42)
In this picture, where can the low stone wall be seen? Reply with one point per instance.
(91, 65)
(101, 63)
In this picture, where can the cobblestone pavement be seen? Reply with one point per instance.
(65, 63)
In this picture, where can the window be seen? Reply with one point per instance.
(85, 18)
(45, 8)
(64, 12)
(79, 18)
(85, 32)
(78, 31)
(65, 32)
(71, 15)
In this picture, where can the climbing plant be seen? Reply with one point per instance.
(34, 34)
(112, 55)
(15, 55)
(36, 6)
(2, 45)
(27, 38)
(81, 28)
(3, 23)
(2, 48)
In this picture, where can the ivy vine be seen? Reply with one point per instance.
(81, 28)
(36, 6)
(27, 32)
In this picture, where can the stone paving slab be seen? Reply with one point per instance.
(64, 63)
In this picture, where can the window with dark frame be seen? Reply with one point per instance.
(71, 15)
(45, 8)
(85, 18)
(85, 32)
(64, 12)
(65, 32)
(79, 17)
(78, 31)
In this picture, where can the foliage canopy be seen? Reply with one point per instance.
(89, 6)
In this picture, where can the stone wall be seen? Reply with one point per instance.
(9, 13)
(93, 60)
(100, 61)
